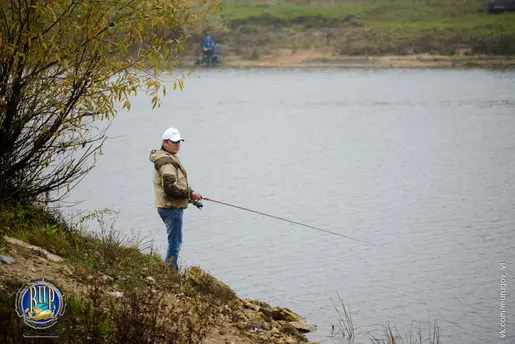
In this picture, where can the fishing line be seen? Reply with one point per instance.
(290, 221)
(404, 251)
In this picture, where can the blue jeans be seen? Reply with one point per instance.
(172, 217)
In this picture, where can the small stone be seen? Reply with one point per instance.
(7, 259)
(287, 314)
(238, 315)
(116, 294)
(258, 324)
(303, 326)
(255, 324)
(107, 278)
(289, 329)
(272, 313)
(250, 305)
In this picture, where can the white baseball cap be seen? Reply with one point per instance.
(173, 135)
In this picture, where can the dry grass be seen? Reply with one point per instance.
(343, 331)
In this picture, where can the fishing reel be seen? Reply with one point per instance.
(198, 204)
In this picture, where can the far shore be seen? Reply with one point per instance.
(313, 59)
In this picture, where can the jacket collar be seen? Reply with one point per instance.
(175, 158)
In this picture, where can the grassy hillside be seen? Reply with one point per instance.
(117, 294)
(368, 27)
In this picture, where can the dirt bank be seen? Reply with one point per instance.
(236, 320)
(115, 293)
(286, 58)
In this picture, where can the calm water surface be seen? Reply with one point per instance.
(419, 162)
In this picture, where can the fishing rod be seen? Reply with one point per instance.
(286, 220)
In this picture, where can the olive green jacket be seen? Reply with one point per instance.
(170, 180)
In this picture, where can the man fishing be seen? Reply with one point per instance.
(172, 191)
(208, 44)
(209, 50)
